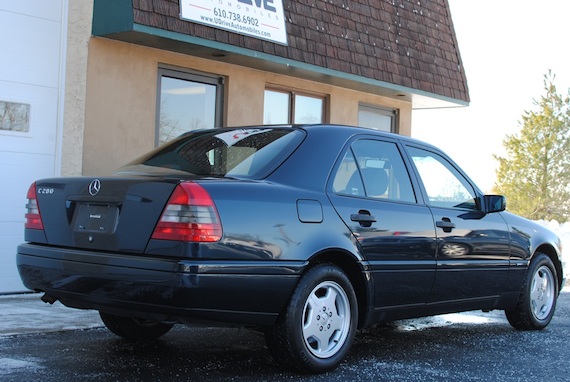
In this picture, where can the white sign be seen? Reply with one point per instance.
(262, 19)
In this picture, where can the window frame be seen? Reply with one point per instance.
(190, 76)
(453, 169)
(403, 162)
(293, 93)
(388, 112)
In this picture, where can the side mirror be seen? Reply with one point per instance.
(493, 203)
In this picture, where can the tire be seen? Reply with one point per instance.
(316, 330)
(134, 328)
(537, 301)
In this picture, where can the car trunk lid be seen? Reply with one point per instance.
(109, 214)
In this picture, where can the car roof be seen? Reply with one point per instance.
(348, 129)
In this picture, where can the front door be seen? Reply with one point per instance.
(472, 247)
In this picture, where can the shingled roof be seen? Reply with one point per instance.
(410, 44)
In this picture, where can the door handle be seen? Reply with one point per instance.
(364, 218)
(445, 224)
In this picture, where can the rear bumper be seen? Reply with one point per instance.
(234, 292)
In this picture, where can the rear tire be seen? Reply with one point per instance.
(134, 328)
(537, 301)
(317, 328)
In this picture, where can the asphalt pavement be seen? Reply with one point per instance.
(49, 343)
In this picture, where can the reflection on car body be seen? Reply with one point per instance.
(473, 243)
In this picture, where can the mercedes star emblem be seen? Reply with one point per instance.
(94, 187)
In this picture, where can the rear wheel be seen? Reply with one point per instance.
(317, 329)
(134, 328)
(538, 297)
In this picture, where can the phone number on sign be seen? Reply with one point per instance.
(232, 16)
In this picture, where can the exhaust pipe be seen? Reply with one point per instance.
(48, 299)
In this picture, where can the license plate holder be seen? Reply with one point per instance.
(100, 218)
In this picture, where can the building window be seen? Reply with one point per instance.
(377, 118)
(187, 101)
(283, 107)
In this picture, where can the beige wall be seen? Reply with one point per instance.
(80, 13)
(121, 99)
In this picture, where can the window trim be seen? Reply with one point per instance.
(394, 114)
(292, 93)
(411, 173)
(454, 170)
(192, 76)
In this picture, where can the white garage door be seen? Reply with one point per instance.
(32, 33)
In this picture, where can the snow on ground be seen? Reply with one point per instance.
(27, 314)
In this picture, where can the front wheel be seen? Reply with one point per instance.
(134, 328)
(538, 297)
(317, 329)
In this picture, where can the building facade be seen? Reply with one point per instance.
(135, 73)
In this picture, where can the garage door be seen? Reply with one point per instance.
(32, 32)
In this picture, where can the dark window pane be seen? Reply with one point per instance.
(240, 153)
(374, 169)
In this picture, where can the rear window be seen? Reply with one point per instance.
(242, 153)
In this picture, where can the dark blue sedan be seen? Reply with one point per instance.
(307, 233)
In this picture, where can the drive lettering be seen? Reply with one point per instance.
(267, 4)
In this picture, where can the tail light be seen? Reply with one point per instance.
(190, 215)
(33, 217)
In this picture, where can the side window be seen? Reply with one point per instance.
(374, 169)
(445, 186)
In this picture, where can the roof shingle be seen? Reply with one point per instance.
(402, 42)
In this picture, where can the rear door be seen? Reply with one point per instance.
(472, 247)
(373, 193)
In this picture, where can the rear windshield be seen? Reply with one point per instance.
(242, 153)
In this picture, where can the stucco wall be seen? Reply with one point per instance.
(121, 99)
(80, 13)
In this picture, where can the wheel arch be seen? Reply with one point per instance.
(551, 252)
(357, 273)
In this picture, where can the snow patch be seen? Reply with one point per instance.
(10, 365)
(562, 230)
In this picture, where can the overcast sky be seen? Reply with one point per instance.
(507, 47)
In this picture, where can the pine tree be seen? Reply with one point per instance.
(535, 174)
